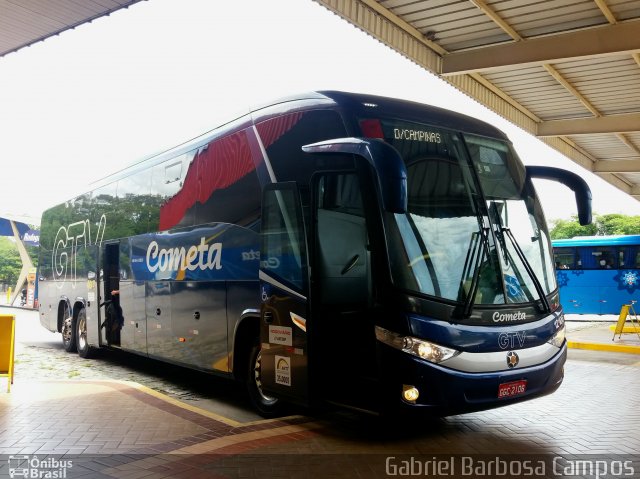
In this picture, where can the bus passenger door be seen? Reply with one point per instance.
(284, 286)
(110, 276)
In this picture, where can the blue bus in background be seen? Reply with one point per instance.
(597, 274)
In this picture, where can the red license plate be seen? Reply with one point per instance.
(515, 388)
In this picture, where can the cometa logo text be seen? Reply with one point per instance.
(508, 317)
(202, 256)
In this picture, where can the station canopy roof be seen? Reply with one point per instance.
(25, 22)
(565, 71)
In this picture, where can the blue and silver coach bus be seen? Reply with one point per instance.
(326, 248)
(597, 274)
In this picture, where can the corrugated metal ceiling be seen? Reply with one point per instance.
(25, 22)
(567, 71)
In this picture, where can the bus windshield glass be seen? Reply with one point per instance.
(473, 232)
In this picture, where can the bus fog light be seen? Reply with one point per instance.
(410, 393)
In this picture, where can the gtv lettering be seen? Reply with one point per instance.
(65, 247)
(202, 256)
(509, 340)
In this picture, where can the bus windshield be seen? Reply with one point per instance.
(473, 232)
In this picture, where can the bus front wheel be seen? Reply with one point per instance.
(266, 405)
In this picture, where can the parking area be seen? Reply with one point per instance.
(122, 416)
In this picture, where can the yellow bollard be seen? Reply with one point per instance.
(7, 344)
(9, 295)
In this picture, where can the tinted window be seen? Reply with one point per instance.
(340, 192)
(629, 257)
(283, 238)
(564, 258)
(597, 257)
(64, 215)
(216, 183)
(44, 265)
(228, 190)
(167, 180)
(133, 204)
(103, 211)
(284, 136)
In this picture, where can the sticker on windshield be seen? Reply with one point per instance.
(513, 286)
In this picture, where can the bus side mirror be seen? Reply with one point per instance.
(576, 183)
(389, 167)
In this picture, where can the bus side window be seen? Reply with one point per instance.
(564, 258)
(603, 257)
(626, 257)
(631, 257)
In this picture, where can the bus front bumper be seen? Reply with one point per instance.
(444, 391)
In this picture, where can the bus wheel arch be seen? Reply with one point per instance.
(247, 331)
(246, 366)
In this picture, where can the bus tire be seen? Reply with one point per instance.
(68, 330)
(84, 350)
(267, 406)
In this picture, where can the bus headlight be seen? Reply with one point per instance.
(426, 350)
(558, 339)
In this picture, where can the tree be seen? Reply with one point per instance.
(610, 224)
(570, 228)
(617, 224)
(10, 263)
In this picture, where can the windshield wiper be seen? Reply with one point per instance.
(527, 266)
(475, 254)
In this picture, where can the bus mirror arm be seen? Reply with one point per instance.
(573, 181)
(390, 169)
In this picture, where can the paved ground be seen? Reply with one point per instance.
(39, 355)
(62, 406)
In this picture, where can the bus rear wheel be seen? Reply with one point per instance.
(84, 350)
(266, 405)
(68, 331)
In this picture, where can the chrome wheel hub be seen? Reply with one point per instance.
(256, 378)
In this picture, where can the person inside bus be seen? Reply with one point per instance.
(604, 264)
(116, 319)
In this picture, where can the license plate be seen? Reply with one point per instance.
(515, 388)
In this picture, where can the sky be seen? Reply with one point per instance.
(92, 100)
